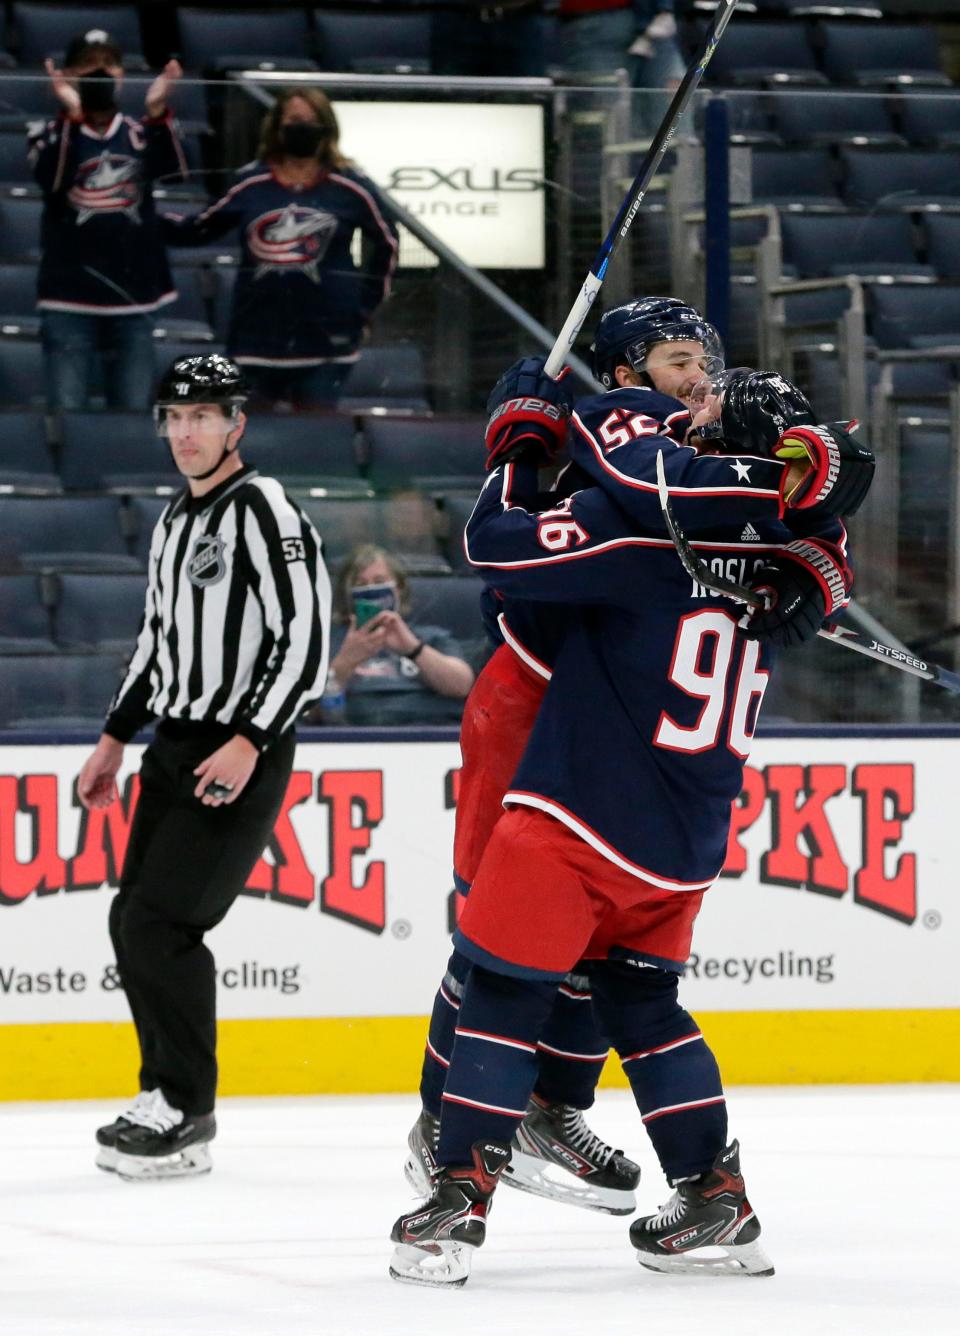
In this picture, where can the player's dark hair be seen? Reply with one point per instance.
(271, 149)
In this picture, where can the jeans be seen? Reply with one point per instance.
(599, 44)
(303, 386)
(76, 347)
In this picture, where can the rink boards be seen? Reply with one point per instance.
(826, 952)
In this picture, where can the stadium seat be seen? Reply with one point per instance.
(24, 621)
(213, 38)
(391, 377)
(18, 299)
(748, 116)
(830, 118)
(931, 118)
(915, 317)
(44, 691)
(372, 43)
(794, 178)
(63, 532)
(304, 450)
(457, 510)
(942, 232)
(403, 525)
(763, 54)
(15, 169)
(98, 611)
(43, 30)
(425, 452)
(911, 179)
(114, 449)
(450, 602)
(21, 373)
(139, 519)
(25, 459)
(20, 229)
(827, 245)
(188, 317)
(882, 54)
(224, 280)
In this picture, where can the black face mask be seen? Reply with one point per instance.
(98, 90)
(301, 139)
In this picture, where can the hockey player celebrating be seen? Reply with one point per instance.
(653, 683)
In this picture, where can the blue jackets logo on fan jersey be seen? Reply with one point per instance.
(292, 237)
(108, 184)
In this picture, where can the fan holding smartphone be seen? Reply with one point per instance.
(389, 670)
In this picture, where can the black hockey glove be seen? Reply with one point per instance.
(529, 413)
(803, 584)
(837, 473)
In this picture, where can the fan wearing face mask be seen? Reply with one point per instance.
(104, 270)
(301, 305)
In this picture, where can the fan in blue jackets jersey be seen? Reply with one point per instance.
(300, 305)
(103, 271)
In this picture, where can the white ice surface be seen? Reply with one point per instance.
(857, 1190)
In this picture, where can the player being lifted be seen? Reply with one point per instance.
(618, 814)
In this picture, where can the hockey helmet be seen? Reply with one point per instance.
(758, 407)
(206, 378)
(627, 333)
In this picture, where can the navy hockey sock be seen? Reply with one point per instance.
(494, 1063)
(572, 1052)
(439, 1047)
(673, 1074)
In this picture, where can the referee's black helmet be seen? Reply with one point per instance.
(207, 378)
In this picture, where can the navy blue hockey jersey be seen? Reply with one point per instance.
(640, 742)
(299, 298)
(103, 252)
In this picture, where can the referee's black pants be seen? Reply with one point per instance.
(185, 865)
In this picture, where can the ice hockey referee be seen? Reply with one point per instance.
(233, 643)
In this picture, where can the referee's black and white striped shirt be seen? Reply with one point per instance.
(237, 616)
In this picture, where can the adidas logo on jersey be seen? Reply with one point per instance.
(749, 535)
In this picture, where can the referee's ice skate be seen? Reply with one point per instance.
(107, 1135)
(556, 1155)
(162, 1142)
(706, 1228)
(435, 1244)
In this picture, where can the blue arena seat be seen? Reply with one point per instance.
(115, 449)
(882, 54)
(748, 116)
(374, 43)
(214, 38)
(18, 299)
(138, 519)
(457, 510)
(930, 118)
(390, 377)
(15, 170)
(187, 318)
(828, 245)
(25, 459)
(24, 621)
(799, 178)
(43, 30)
(942, 231)
(914, 317)
(830, 118)
(765, 54)
(44, 692)
(404, 525)
(425, 452)
(450, 602)
(303, 449)
(21, 373)
(95, 611)
(20, 229)
(62, 532)
(911, 179)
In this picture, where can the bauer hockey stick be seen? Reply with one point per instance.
(634, 196)
(699, 571)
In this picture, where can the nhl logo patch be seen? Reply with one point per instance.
(206, 564)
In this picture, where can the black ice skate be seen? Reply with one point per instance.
(107, 1135)
(163, 1142)
(435, 1244)
(707, 1227)
(421, 1166)
(556, 1155)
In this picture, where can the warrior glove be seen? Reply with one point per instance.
(836, 472)
(803, 584)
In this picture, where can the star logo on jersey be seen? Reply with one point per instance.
(741, 469)
(292, 238)
(206, 564)
(108, 184)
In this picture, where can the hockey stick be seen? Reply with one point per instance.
(699, 571)
(634, 196)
